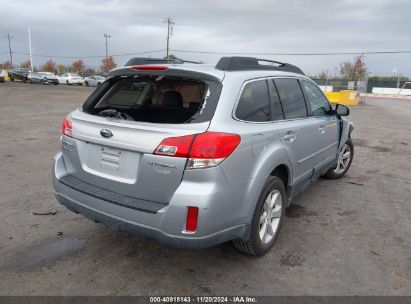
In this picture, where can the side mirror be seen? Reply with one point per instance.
(342, 110)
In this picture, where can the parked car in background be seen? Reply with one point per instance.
(19, 74)
(94, 80)
(43, 78)
(71, 78)
(193, 156)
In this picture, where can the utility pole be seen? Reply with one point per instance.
(31, 51)
(106, 36)
(11, 56)
(170, 23)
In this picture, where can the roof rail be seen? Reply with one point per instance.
(143, 60)
(251, 63)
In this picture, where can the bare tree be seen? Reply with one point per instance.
(49, 66)
(26, 64)
(108, 64)
(6, 65)
(353, 70)
(78, 66)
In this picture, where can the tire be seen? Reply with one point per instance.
(255, 245)
(42, 82)
(67, 82)
(86, 83)
(31, 81)
(98, 84)
(339, 172)
(11, 79)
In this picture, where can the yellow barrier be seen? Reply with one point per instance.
(347, 97)
(333, 97)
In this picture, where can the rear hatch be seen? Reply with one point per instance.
(116, 132)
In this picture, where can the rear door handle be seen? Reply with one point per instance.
(290, 136)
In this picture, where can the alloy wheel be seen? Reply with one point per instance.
(343, 159)
(270, 216)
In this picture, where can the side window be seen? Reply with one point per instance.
(254, 104)
(318, 102)
(292, 98)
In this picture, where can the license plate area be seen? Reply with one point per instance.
(110, 159)
(111, 163)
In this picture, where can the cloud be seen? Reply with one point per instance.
(76, 28)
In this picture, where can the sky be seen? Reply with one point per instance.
(75, 29)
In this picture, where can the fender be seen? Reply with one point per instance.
(345, 131)
(273, 156)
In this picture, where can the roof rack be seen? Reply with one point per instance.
(143, 60)
(251, 63)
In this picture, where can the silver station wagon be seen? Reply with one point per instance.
(194, 155)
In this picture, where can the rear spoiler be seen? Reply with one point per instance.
(129, 71)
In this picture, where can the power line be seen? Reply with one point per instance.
(295, 54)
(219, 53)
(89, 56)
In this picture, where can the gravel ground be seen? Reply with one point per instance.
(341, 237)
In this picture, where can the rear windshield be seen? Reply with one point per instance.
(159, 99)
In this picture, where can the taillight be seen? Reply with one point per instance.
(175, 146)
(67, 127)
(202, 150)
(149, 67)
(192, 218)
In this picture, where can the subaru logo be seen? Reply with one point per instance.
(106, 133)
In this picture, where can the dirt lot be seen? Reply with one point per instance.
(346, 237)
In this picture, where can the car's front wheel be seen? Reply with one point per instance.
(345, 158)
(267, 219)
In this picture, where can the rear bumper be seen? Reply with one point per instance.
(165, 226)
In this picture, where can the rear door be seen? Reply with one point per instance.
(326, 123)
(297, 131)
(125, 162)
(117, 154)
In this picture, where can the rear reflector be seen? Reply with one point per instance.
(67, 127)
(202, 150)
(192, 218)
(149, 67)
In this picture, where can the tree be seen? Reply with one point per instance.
(61, 68)
(26, 64)
(108, 64)
(322, 75)
(49, 66)
(170, 57)
(78, 66)
(6, 65)
(355, 70)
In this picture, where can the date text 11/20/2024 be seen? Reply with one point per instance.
(204, 299)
